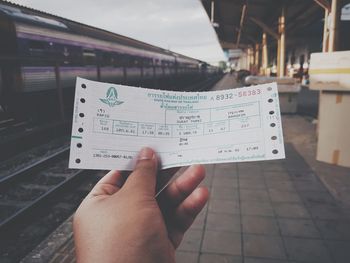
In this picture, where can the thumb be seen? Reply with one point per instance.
(143, 178)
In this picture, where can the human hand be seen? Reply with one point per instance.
(124, 222)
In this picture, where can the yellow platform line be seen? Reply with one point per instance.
(330, 71)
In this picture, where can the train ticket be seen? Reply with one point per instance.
(111, 123)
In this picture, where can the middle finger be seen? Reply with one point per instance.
(183, 186)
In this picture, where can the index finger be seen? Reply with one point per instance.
(180, 188)
(108, 184)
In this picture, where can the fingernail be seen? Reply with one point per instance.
(146, 154)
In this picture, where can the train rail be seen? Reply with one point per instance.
(13, 142)
(32, 168)
(31, 194)
(11, 125)
(204, 85)
(37, 190)
(5, 123)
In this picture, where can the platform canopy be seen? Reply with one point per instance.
(240, 23)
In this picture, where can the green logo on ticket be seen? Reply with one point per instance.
(111, 98)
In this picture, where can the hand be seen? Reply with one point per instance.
(123, 222)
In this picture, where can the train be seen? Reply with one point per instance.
(42, 54)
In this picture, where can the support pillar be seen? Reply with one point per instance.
(281, 52)
(257, 57)
(251, 59)
(264, 57)
(248, 59)
(325, 32)
(334, 24)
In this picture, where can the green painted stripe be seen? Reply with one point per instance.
(77, 137)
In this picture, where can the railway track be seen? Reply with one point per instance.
(10, 125)
(4, 123)
(21, 137)
(37, 193)
(36, 199)
(206, 84)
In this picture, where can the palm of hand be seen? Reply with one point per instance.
(123, 222)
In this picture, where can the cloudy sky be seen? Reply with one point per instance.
(179, 25)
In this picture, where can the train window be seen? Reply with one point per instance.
(65, 52)
(134, 62)
(107, 59)
(89, 57)
(147, 62)
(119, 60)
(131, 61)
(35, 45)
(89, 53)
(71, 54)
(138, 61)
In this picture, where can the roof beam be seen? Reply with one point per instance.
(306, 21)
(324, 4)
(230, 45)
(302, 16)
(212, 6)
(265, 27)
(243, 13)
(246, 36)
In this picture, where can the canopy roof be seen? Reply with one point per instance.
(239, 23)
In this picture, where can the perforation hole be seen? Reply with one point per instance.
(271, 112)
(81, 115)
(273, 124)
(77, 160)
(83, 86)
(270, 100)
(275, 151)
(269, 88)
(79, 145)
(82, 100)
(80, 130)
(274, 138)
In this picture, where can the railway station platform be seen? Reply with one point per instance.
(291, 210)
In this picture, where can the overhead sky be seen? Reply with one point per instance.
(179, 25)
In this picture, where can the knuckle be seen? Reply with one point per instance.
(180, 190)
(145, 166)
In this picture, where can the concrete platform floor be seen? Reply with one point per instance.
(291, 210)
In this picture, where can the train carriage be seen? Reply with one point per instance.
(45, 53)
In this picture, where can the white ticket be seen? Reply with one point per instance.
(111, 123)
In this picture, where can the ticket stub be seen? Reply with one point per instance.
(111, 123)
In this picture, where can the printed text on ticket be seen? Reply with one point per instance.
(111, 123)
